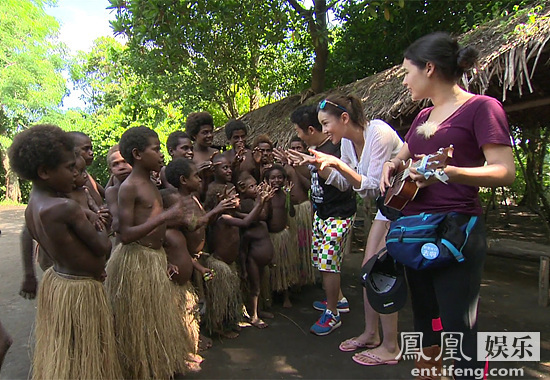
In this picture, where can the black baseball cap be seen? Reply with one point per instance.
(385, 283)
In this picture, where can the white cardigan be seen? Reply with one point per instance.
(381, 144)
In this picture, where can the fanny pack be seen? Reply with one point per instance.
(429, 241)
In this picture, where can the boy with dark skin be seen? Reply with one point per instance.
(72, 288)
(285, 272)
(120, 170)
(239, 155)
(200, 127)
(256, 248)
(179, 144)
(301, 224)
(84, 144)
(224, 240)
(137, 281)
(263, 156)
(175, 245)
(222, 291)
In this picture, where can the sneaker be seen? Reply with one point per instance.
(326, 323)
(342, 306)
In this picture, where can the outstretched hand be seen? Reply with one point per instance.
(325, 160)
(298, 158)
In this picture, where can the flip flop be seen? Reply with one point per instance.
(372, 359)
(352, 344)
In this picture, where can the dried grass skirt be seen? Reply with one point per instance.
(75, 337)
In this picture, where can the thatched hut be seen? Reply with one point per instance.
(514, 68)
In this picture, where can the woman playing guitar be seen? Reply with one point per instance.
(477, 127)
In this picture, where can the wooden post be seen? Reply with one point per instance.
(544, 272)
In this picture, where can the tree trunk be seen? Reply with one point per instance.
(254, 84)
(13, 190)
(319, 37)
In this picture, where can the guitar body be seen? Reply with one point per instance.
(399, 197)
(403, 189)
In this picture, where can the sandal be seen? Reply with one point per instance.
(353, 344)
(369, 359)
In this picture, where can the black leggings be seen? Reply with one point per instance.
(451, 293)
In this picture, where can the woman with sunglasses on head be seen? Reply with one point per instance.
(365, 146)
(477, 127)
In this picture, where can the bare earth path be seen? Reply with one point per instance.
(286, 349)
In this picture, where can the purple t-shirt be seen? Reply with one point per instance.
(480, 120)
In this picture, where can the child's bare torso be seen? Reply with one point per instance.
(195, 238)
(147, 204)
(175, 245)
(48, 220)
(277, 220)
(224, 241)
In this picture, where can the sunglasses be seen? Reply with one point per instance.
(322, 105)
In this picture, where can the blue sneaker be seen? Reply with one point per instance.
(326, 323)
(342, 306)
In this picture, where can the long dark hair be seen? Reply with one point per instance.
(439, 48)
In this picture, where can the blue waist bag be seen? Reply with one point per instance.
(429, 241)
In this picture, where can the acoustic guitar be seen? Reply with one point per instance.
(403, 189)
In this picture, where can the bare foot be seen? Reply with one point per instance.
(266, 314)
(204, 343)
(287, 304)
(257, 322)
(236, 328)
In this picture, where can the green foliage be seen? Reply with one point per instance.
(31, 60)
(370, 41)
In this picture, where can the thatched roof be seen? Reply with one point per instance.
(514, 67)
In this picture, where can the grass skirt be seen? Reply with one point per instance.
(74, 330)
(147, 322)
(300, 226)
(224, 305)
(284, 273)
(186, 299)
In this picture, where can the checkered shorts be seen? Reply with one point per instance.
(328, 240)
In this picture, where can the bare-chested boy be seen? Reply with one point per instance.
(301, 224)
(223, 301)
(256, 248)
(284, 274)
(239, 155)
(200, 127)
(84, 144)
(185, 296)
(119, 170)
(179, 144)
(146, 317)
(74, 329)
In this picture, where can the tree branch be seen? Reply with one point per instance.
(305, 13)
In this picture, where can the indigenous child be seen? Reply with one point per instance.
(300, 225)
(179, 144)
(71, 300)
(263, 156)
(284, 273)
(175, 245)
(200, 126)
(223, 301)
(256, 248)
(84, 144)
(120, 170)
(239, 155)
(146, 317)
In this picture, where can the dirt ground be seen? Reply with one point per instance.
(286, 349)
